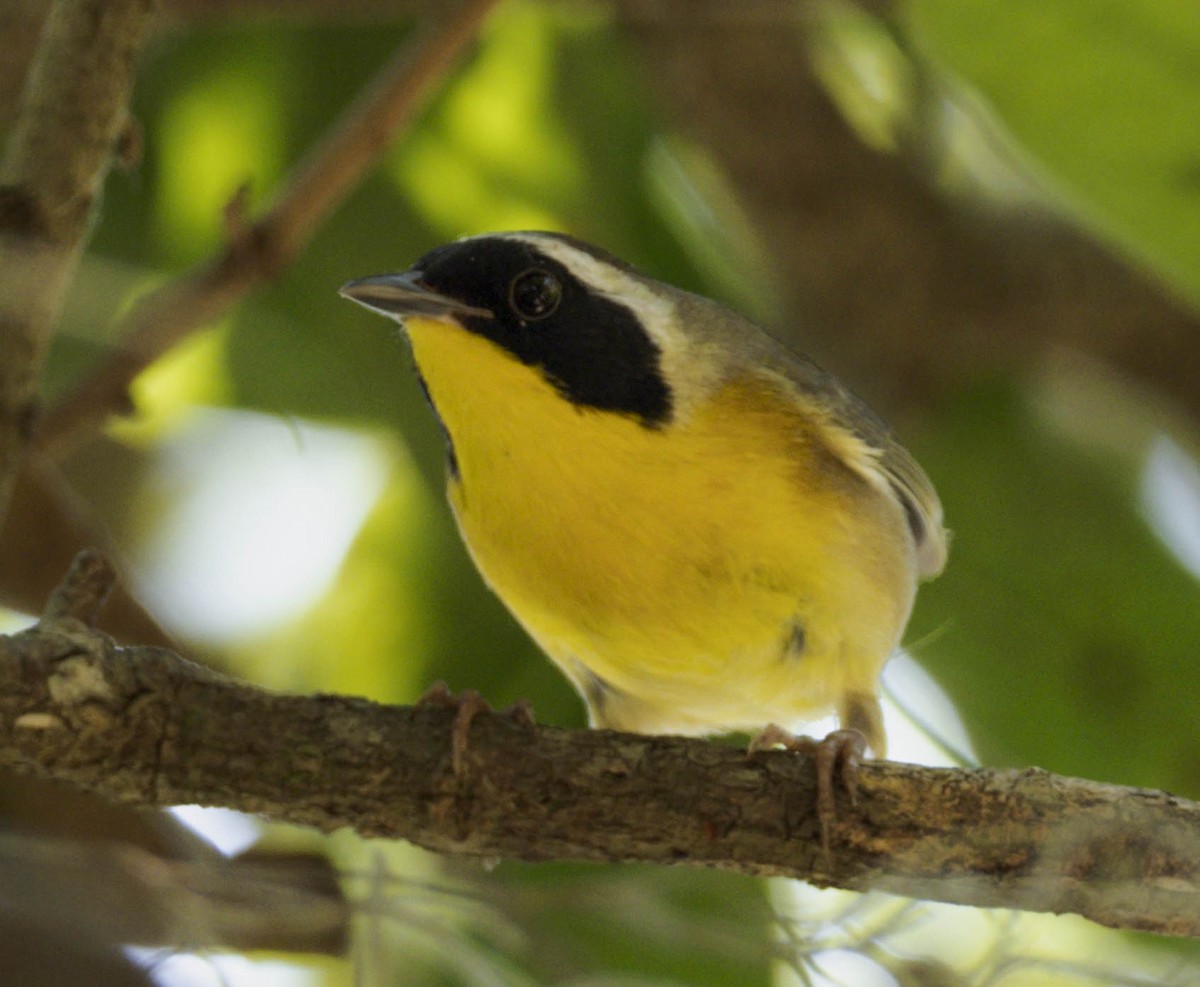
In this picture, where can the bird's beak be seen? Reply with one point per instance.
(398, 295)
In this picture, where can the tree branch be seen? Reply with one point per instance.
(905, 291)
(73, 109)
(142, 726)
(257, 252)
(108, 892)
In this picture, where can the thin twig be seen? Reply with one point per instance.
(258, 253)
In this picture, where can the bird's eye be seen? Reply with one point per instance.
(535, 294)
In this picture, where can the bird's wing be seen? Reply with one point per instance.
(879, 455)
(866, 441)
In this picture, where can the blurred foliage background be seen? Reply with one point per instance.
(984, 216)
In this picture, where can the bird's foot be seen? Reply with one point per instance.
(839, 752)
(467, 705)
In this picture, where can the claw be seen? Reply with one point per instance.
(844, 748)
(467, 705)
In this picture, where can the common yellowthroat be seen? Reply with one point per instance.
(704, 531)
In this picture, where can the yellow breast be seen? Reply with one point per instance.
(716, 573)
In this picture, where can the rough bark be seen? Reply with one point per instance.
(142, 726)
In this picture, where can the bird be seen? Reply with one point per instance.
(705, 531)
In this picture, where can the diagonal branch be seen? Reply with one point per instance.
(258, 251)
(143, 726)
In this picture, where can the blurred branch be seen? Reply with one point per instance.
(20, 26)
(46, 525)
(257, 252)
(142, 726)
(301, 11)
(72, 112)
(21, 23)
(890, 281)
(117, 893)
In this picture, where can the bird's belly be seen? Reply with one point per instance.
(738, 604)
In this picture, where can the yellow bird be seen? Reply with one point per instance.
(704, 531)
